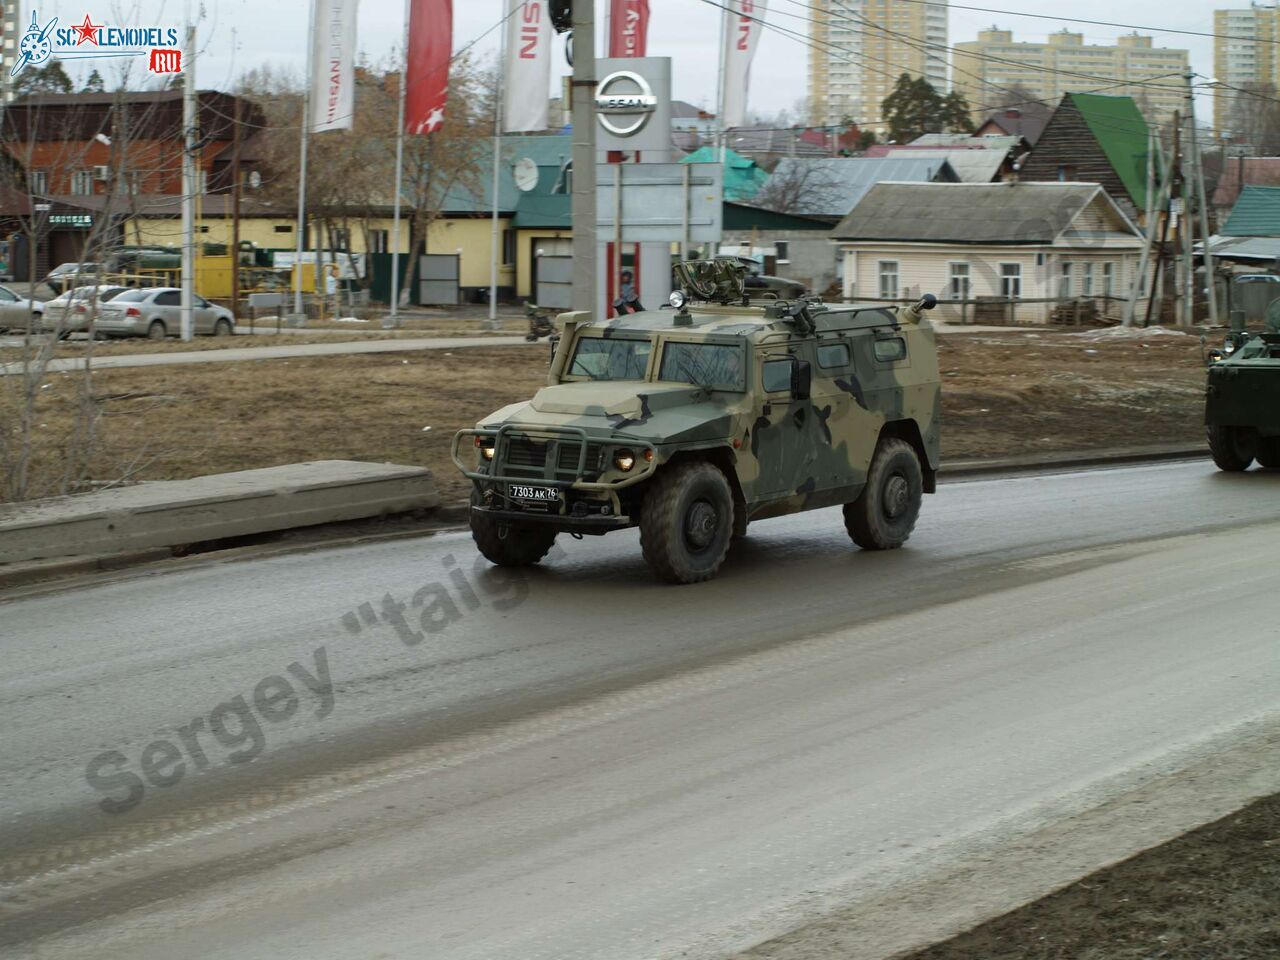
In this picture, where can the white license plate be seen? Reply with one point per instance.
(540, 494)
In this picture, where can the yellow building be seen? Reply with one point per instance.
(861, 47)
(984, 69)
(1244, 53)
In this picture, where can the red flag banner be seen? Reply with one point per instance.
(430, 49)
(628, 28)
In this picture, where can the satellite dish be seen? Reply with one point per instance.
(526, 174)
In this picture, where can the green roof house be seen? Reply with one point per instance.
(1092, 138)
(1256, 214)
(743, 177)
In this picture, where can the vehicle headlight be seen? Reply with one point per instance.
(624, 460)
(486, 447)
(1229, 347)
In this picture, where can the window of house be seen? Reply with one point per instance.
(961, 282)
(40, 181)
(1086, 280)
(1011, 280)
(888, 279)
(284, 228)
(378, 240)
(1066, 172)
(508, 247)
(341, 239)
(82, 183)
(1064, 280)
(783, 250)
(1109, 279)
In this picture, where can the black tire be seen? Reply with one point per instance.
(157, 330)
(886, 511)
(222, 328)
(686, 522)
(1269, 453)
(1233, 448)
(510, 544)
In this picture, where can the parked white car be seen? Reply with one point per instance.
(16, 312)
(65, 274)
(156, 313)
(71, 312)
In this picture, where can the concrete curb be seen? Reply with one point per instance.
(174, 513)
(1047, 463)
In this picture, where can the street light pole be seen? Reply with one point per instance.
(584, 157)
(189, 185)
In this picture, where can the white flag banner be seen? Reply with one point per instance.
(333, 59)
(527, 72)
(743, 27)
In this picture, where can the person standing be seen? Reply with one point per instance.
(628, 299)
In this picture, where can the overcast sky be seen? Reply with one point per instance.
(238, 34)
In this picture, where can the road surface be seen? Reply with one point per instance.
(583, 763)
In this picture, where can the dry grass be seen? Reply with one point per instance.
(1003, 395)
(1212, 894)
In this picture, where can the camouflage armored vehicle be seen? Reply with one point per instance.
(1242, 400)
(692, 422)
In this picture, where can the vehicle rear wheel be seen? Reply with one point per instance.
(1269, 453)
(157, 330)
(509, 544)
(222, 328)
(686, 522)
(885, 513)
(1233, 448)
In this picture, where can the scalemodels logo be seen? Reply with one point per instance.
(88, 40)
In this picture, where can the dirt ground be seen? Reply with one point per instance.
(1212, 894)
(1004, 394)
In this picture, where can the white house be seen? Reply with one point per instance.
(1035, 244)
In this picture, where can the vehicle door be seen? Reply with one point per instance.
(167, 305)
(784, 425)
(848, 421)
(203, 314)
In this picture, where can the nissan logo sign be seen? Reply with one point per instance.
(625, 112)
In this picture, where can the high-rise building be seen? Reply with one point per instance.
(11, 31)
(861, 47)
(985, 69)
(1244, 56)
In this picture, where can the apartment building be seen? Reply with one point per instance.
(11, 31)
(861, 47)
(984, 68)
(1244, 53)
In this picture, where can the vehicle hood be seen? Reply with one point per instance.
(658, 412)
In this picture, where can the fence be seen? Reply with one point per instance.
(1019, 311)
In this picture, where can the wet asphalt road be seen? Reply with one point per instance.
(580, 762)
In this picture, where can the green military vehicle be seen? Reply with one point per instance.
(1242, 400)
(691, 422)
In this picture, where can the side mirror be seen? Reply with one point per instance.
(801, 379)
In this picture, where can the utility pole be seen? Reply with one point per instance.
(393, 316)
(584, 157)
(1202, 205)
(493, 323)
(235, 212)
(189, 184)
(302, 167)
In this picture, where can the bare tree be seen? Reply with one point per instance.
(802, 187)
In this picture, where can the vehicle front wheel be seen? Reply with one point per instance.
(156, 331)
(222, 328)
(1269, 453)
(510, 544)
(885, 513)
(686, 522)
(1233, 448)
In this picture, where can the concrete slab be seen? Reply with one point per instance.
(171, 512)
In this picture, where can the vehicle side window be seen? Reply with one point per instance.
(7, 296)
(777, 376)
(200, 301)
(169, 298)
(893, 348)
(833, 355)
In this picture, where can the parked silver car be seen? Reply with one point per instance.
(65, 274)
(71, 312)
(16, 311)
(156, 312)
